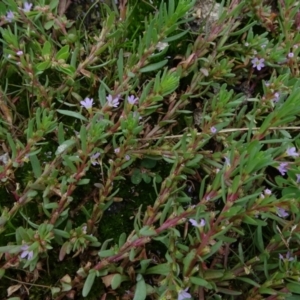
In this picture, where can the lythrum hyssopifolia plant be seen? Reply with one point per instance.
(149, 149)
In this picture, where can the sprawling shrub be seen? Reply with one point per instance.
(149, 149)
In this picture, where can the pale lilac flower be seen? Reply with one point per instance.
(127, 157)
(84, 228)
(258, 63)
(161, 46)
(87, 103)
(19, 53)
(131, 99)
(292, 152)
(4, 158)
(113, 102)
(25, 252)
(94, 157)
(183, 294)
(298, 178)
(276, 97)
(213, 129)
(291, 55)
(227, 161)
(9, 16)
(27, 7)
(287, 257)
(117, 150)
(281, 212)
(196, 224)
(282, 168)
(268, 192)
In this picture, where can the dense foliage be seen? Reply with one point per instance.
(149, 149)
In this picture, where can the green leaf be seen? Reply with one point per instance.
(249, 220)
(154, 67)
(175, 37)
(201, 282)
(53, 4)
(106, 253)
(46, 51)
(140, 291)
(248, 280)
(293, 287)
(83, 181)
(120, 64)
(228, 292)
(233, 211)
(147, 231)
(43, 65)
(48, 25)
(116, 281)
(88, 283)
(10, 249)
(36, 166)
(12, 145)
(136, 176)
(69, 70)
(148, 163)
(146, 177)
(162, 269)
(71, 114)
(259, 239)
(63, 53)
(193, 163)
(267, 291)
(122, 239)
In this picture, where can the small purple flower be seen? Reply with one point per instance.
(25, 252)
(19, 53)
(87, 103)
(117, 150)
(196, 224)
(276, 97)
(227, 161)
(113, 102)
(131, 99)
(268, 192)
(213, 129)
(282, 168)
(291, 55)
(94, 157)
(9, 16)
(281, 212)
(127, 157)
(292, 152)
(258, 63)
(298, 178)
(161, 46)
(183, 294)
(288, 256)
(27, 7)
